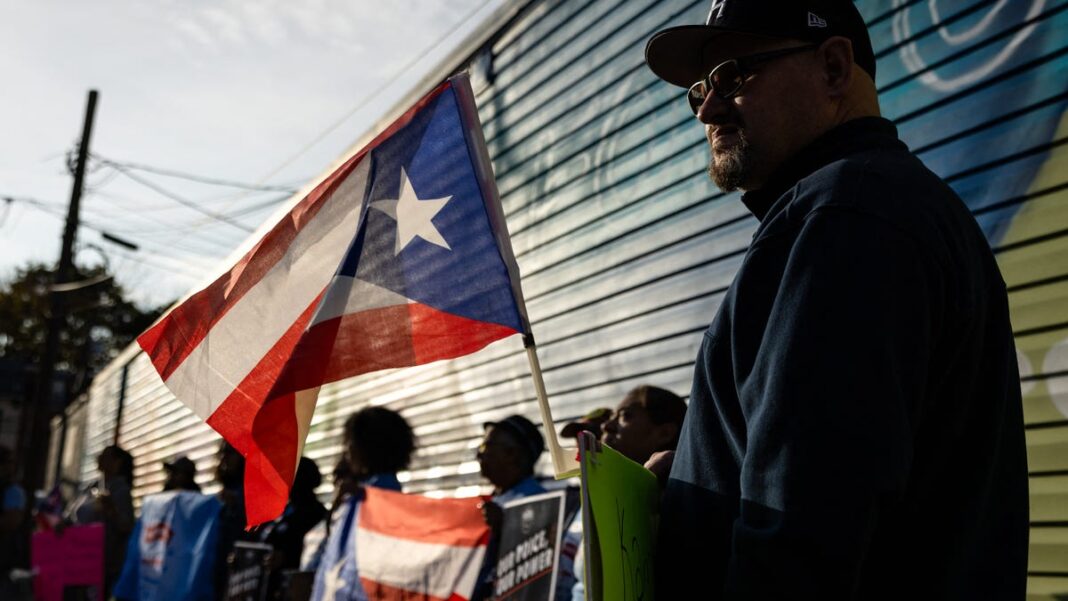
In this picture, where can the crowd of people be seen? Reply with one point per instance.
(377, 444)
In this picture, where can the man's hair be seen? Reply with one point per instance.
(306, 480)
(662, 406)
(383, 437)
(126, 462)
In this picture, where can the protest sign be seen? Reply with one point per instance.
(248, 572)
(619, 515)
(530, 548)
(68, 562)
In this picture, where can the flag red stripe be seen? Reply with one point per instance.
(383, 338)
(173, 338)
(439, 335)
(419, 518)
(270, 456)
(377, 591)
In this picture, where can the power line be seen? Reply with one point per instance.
(171, 270)
(168, 226)
(184, 202)
(55, 211)
(416, 58)
(214, 181)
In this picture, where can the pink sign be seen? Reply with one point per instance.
(75, 558)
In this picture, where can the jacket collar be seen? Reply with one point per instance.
(846, 139)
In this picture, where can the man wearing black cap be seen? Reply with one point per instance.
(855, 425)
(181, 474)
(507, 456)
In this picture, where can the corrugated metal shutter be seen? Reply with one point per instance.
(979, 90)
(626, 249)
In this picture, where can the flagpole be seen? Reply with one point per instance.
(565, 465)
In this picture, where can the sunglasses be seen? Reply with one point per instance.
(725, 81)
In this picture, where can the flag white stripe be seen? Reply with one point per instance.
(351, 295)
(239, 341)
(436, 569)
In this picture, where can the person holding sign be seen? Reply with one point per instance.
(509, 451)
(855, 428)
(108, 501)
(647, 421)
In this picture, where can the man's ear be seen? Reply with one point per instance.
(836, 59)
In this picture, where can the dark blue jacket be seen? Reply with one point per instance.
(855, 428)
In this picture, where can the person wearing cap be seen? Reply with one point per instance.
(509, 451)
(855, 424)
(181, 474)
(646, 423)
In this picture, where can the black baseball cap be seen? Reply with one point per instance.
(181, 464)
(676, 55)
(523, 431)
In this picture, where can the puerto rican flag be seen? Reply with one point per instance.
(400, 257)
(391, 546)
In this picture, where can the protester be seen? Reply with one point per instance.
(509, 451)
(647, 421)
(286, 533)
(855, 425)
(171, 554)
(12, 519)
(230, 473)
(378, 443)
(181, 474)
(108, 501)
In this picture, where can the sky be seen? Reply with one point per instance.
(266, 92)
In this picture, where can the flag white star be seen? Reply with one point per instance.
(413, 215)
(332, 583)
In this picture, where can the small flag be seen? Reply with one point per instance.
(404, 547)
(49, 511)
(400, 257)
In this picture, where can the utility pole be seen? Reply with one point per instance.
(40, 411)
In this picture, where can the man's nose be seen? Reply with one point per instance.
(712, 109)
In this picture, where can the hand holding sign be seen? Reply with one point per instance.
(619, 513)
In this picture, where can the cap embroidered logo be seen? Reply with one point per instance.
(815, 20)
(717, 9)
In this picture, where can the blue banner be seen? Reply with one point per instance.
(171, 555)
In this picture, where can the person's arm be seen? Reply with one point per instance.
(830, 405)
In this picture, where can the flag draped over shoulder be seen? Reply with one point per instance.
(171, 553)
(400, 257)
(392, 546)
